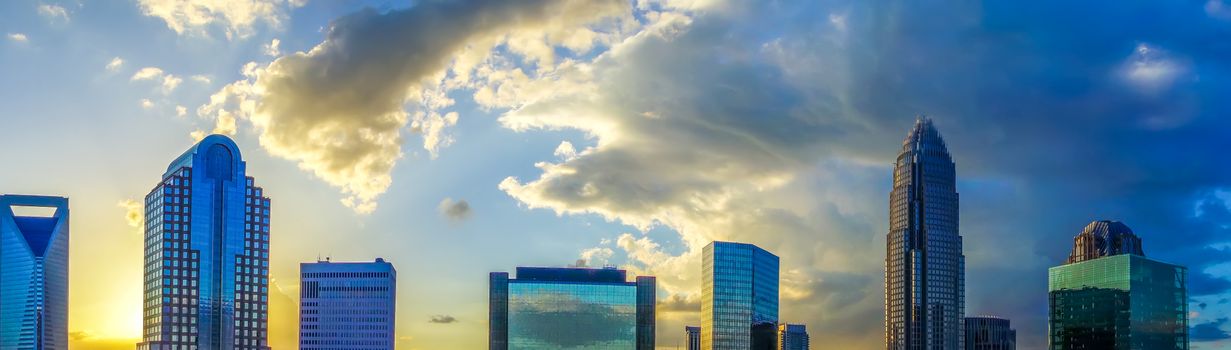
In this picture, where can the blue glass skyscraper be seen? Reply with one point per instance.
(206, 254)
(347, 305)
(925, 270)
(570, 308)
(739, 297)
(33, 274)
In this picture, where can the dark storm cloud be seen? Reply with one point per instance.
(442, 319)
(1210, 331)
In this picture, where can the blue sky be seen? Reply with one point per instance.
(631, 134)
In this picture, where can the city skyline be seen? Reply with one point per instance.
(460, 137)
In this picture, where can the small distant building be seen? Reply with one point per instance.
(792, 337)
(990, 333)
(694, 337)
(570, 308)
(347, 305)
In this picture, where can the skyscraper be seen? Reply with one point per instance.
(570, 308)
(792, 337)
(33, 274)
(693, 334)
(1110, 296)
(347, 305)
(206, 253)
(739, 297)
(924, 265)
(990, 333)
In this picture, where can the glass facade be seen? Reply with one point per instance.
(1121, 302)
(34, 274)
(571, 308)
(925, 269)
(347, 305)
(792, 337)
(692, 334)
(739, 297)
(206, 254)
(990, 333)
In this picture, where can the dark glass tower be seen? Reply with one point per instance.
(739, 297)
(33, 274)
(1112, 297)
(924, 265)
(206, 254)
(990, 333)
(570, 308)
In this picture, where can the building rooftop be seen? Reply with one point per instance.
(1104, 238)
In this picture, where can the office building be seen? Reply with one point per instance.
(206, 254)
(33, 272)
(570, 308)
(347, 305)
(990, 333)
(739, 297)
(1110, 296)
(924, 265)
(792, 337)
(693, 335)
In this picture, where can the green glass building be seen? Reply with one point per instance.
(1116, 299)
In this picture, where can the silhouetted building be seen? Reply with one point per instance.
(33, 274)
(792, 337)
(1116, 298)
(570, 308)
(739, 297)
(347, 305)
(694, 337)
(925, 270)
(990, 333)
(206, 254)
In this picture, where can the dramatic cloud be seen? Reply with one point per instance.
(53, 12)
(236, 17)
(776, 125)
(18, 37)
(455, 210)
(442, 319)
(115, 64)
(340, 108)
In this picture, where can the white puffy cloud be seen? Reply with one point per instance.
(147, 73)
(339, 109)
(146, 103)
(115, 64)
(237, 18)
(18, 37)
(53, 12)
(168, 81)
(271, 49)
(1152, 69)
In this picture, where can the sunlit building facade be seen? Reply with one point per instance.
(739, 297)
(570, 308)
(990, 333)
(206, 254)
(1116, 298)
(347, 305)
(34, 273)
(924, 265)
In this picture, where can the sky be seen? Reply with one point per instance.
(457, 138)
